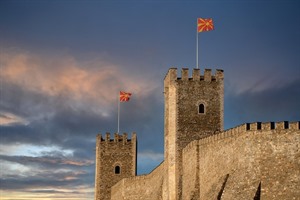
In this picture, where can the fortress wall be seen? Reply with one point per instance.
(236, 163)
(229, 165)
(144, 187)
(190, 176)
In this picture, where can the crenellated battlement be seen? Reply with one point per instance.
(206, 76)
(256, 126)
(118, 138)
(272, 126)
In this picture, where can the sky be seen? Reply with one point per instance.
(63, 63)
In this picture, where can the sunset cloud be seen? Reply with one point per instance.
(8, 119)
(95, 80)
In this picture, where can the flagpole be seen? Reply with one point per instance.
(123, 96)
(197, 64)
(118, 114)
(202, 25)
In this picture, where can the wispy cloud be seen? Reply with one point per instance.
(38, 87)
(64, 75)
(9, 119)
(25, 160)
(151, 155)
(149, 160)
(272, 104)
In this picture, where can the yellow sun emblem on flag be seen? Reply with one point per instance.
(205, 24)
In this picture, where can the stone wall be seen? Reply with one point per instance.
(190, 177)
(144, 187)
(253, 159)
(258, 159)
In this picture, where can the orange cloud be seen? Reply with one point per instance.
(94, 80)
(7, 119)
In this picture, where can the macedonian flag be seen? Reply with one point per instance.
(205, 24)
(124, 96)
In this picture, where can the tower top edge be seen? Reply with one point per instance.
(116, 137)
(206, 75)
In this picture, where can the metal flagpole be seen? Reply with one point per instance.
(197, 61)
(118, 114)
(197, 64)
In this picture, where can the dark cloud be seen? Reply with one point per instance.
(52, 170)
(45, 179)
(47, 161)
(54, 192)
(280, 103)
(55, 121)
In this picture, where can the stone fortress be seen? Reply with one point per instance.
(201, 160)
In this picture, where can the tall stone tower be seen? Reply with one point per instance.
(193, 110)
(115, 160)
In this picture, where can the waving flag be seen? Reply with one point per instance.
(124, 96)
(205, 24)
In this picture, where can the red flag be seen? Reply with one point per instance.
(205, 24)
(124, 96)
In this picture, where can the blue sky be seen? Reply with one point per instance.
(63, 63)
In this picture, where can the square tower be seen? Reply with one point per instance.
(194, 108)
(115, 160)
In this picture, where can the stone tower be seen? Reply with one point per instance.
(115, 160)
(193, 110)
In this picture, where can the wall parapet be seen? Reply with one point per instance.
(118, 138)
(256, 126)
(207, 75)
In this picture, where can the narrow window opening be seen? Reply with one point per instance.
(117, 170)
(201, 108)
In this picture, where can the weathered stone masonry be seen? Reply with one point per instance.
(251, 161)
(183, 121)
(246, 157)
(115, 160)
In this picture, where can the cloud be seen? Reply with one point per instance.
(40, 174)
(55, 106)
(9, 119)
(257, 76)
(65, 95)
(278, 103)
(149, 160)
(46, 160)
(151, 155)
(43, 179)
(94, 80)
